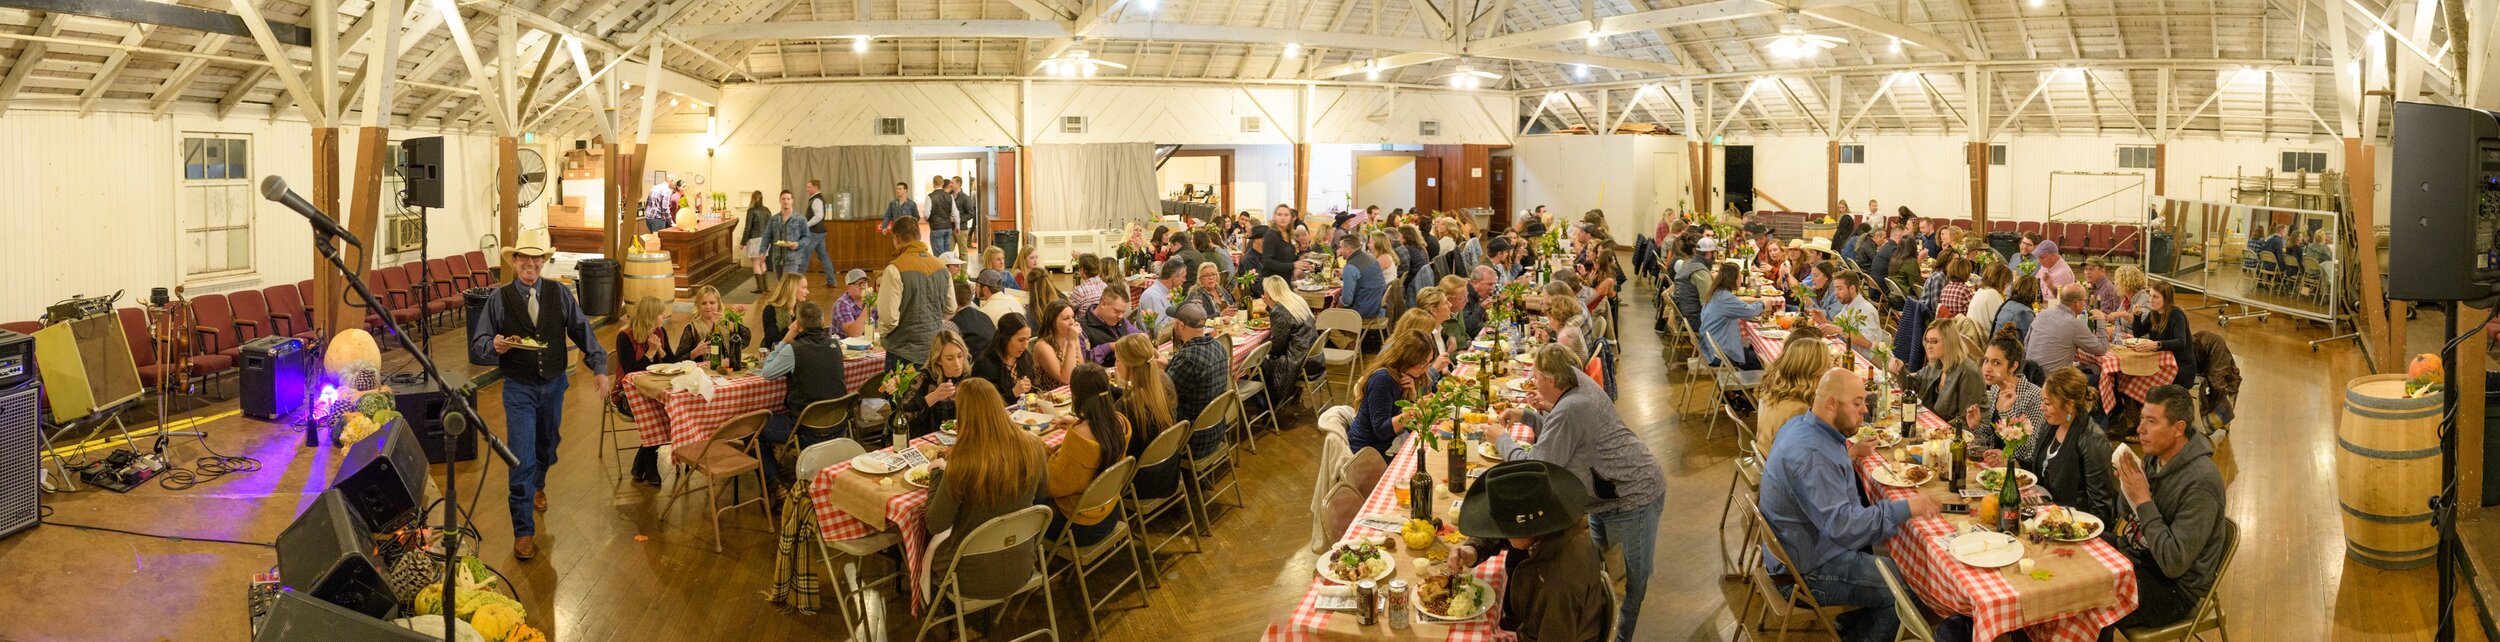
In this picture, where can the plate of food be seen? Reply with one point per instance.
(1991, 477)
(1255, 324)
(1309, 287)
(876, 462)
(1903, 475)
(1486, 450)
(1030, 420)
(1470, 357)
(1521, 385)
(856, 344)
(1984, 549)
(2064, 524)
(528, 343)
(666, 369)
(1355, 561)
(1774, 334)
(1524, 358)
(1481, 344)
(1879, 437)
(917, 476)
(1456, 597)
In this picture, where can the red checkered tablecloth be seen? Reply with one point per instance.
(904, 511)
(1309, 623)
(687, 417)
(2135, 387)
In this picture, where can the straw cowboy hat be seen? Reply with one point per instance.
(531, 243)
(1817, 244)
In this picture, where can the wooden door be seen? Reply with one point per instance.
(1428, 183)
(1500, 172)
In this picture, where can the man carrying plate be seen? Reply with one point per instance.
(522, 336)
(1810, 498)
(1532, 509)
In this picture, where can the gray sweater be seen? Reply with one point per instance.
(2181, 529)
(1582, 433)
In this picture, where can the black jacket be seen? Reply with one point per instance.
(816, 372)
(1275, 256)
(976, 328)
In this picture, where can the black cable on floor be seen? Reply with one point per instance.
(174, 538)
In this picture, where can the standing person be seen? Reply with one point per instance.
(659, 207)
(1810, 497)
(810, 358)
(1579, 430)
(916, 297)
(785, 242)
(751, 239)
(522, 337)
(942, 209)
(2178, 537)
(817, 213)
(898, 208)
(1276, 248)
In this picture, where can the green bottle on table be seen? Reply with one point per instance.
(2010, 498)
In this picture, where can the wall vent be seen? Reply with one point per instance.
(1428, 128)
(889, 127)
(1251, 124)
(1072, 125)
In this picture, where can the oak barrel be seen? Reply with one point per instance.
(2386, 469)
(649, 274)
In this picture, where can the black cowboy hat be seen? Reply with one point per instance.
(1523, 498)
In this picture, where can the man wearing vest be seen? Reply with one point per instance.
(809, 358)
(527, 322)
(816, 215)
(915, 296)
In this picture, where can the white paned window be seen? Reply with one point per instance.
(2304, 161)
(216, 206)
(1852, 154)
(1996, 155)
(2135, 157)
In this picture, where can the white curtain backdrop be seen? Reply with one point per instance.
(866, 172)
(1093, 186)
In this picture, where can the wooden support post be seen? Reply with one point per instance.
(1831, 179)
(619, 237)
(1979, 189)
(2161, 169)
(330, 310)
(508, 193)
(1302, 177)
(364, 218)
(1699, 183)
(2382, 326)
(1705, 203)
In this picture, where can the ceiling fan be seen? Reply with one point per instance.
(1468, 77)
(1793, 41)
(1076, 62)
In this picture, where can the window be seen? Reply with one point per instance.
(2309, 162)
(1852, 154)
(216, 205)
(1996, 155)
(2135, 157)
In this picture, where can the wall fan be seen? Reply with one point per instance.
(1468, 77)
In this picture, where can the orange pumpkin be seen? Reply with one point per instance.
(1787, 322)
(2425, 367)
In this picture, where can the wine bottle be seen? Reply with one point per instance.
(1419, 491)
(1957, 453)
(2010, 498)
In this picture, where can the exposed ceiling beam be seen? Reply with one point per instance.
(1691, 14)
(114, 63)
(280, 65)
(1383, 63)
(27, 59)
(1868, 21)
(467, 49)
(234, 95)
(671, 80)
(186, 73)
(172, 15)
(1568, 58)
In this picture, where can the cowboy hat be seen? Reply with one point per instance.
(1522, 498)
(530, 243)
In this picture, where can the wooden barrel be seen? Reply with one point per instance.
(1815, 230)
(2387, 468)
(649, 274)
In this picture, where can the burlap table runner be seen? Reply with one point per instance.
(2077, 582)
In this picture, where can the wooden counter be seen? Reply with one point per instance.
(858, 244)
(701, 253)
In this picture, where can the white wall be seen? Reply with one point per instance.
(1196, 172)
(1927, 173)
(1386, 181)
(97, 202)
(1619, 174)
(988, 113)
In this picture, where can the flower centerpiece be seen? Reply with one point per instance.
(902, 380)
(2014, 432)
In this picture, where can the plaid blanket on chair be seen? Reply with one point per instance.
(795, 585)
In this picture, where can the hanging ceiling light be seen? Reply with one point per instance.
(859, 45)
(1794, 43)
(1896, 46)
(1594, 41)
(1293, 50)
(1076, 62)
(1580, 72)
(1371, 71)
(1148, 5)
(1467, 77)
(2035, 4)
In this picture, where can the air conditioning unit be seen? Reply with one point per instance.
(1072, 125)
(1251, 124)
(890, 127)
(1428, 128)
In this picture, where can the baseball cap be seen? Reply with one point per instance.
(950, 258)
(854, 276)
(1707, 244)
(993, 279)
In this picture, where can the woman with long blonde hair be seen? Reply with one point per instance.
(642, 342)
(1147, 399)
(1291, 333)
(1788, 384)
(695, 340)
(781, 304)
(1951, 382)
(994, 469)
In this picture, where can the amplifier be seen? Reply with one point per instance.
(21, 467)
(274, 376)
(17, 359)
(383, 478)
(293, 617)
(328, 554)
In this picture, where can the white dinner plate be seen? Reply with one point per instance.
(874, 463)
(1984, 549)
(2080, 517)
(1887, 476)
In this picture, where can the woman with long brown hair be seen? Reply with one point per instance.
(1395, 376)
(994, 469)
(2070, 454)
(2164, 327)
(1097, 438)
(1058, 345)
(751, 238)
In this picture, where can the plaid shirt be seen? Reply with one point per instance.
(846, 310)
(1199, 371)
(1086, 295)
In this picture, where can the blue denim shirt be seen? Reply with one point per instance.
(1363, 286)
(1723, 318)
(1811, 497)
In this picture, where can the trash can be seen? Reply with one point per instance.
(473, 301)
(1007, 241)
(2491, 438)
(2159, 257)
(597, 281)
(2005, 243)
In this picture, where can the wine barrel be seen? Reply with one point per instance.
(2386, 469)
(649, 274)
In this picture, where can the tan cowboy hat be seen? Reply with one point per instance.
(530, 243)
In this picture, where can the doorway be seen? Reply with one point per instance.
(1198, 176)
(1388, 180)
(971, 169)
(1737, 183)
(1500, 168)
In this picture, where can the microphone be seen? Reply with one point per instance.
(274, 189)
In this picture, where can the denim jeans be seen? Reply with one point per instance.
(1851, 580)
(814, 249)
(1636, 530)
(776, 432)
(941, 240)
(533, 411)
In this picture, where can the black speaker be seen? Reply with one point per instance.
(274, 371)
(424, 413)
(2444, 206)
(383, 478)
(296, 618)
(330, 556)
(21, 463)
(423, 170)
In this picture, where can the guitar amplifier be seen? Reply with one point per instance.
(21, 467)
(17, 359)
(274, 370)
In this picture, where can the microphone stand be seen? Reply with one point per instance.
(456, 416)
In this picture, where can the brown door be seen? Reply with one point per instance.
(1501, 186)
(1003, 188)
(1428, 183)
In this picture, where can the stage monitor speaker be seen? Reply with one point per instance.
(383, 478)
(423, 410)
(328, 555)
(423, 170)
(274, 371)
(87, 366)
(21, 467)
(2444, 207)
(296, 618)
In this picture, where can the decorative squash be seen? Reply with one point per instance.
(495, 621)
(353, 360)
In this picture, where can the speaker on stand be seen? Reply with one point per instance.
(328, 554)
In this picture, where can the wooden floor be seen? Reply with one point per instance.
(613, 567)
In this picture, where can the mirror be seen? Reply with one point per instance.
(2275, 258)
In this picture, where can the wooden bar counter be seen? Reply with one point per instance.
(702, 252)
(856, 243)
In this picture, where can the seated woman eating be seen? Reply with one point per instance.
(994, 469)
(1097, 439)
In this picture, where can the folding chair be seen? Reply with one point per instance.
(1784, 596)
(816, 458)
(1254, 368)
(1144, 510)
(2208, 613)
(1340, 344)
(1084, 560)
(1203, 471)
(1730, 381)
(1914, 624)
(722, 457)
(998, 538)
